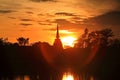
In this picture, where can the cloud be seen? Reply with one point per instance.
(26, 20)
(110, 18)
(41, 15)
(12, 17)
(107, 20)
(51, 29)
(44, 23)
(76, 18)
(29, 8)
(118, 3)
(29, 12)
(65, 14)
(62, 23)
(24, 30)
(25, 24)
(41, 0)
(6, 11)
(67, 25)
(108, 5)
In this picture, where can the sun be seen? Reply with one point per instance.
(68, 41)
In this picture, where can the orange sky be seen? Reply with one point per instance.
(37, 19)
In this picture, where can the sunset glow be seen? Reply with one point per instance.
(68, 41)
(59, 39)
(67, 77)
(36, 19)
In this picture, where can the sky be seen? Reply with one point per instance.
(37, 19)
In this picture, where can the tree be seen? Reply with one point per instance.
(93, 38)
(36, 44)
(105, 35)
(1, 41)
(82, 42)
(101, 37)
(115, 43)
(4, 41)
(23, 41)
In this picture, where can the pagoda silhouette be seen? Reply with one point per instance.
(57, 43)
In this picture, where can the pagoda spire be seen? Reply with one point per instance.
(57, 43)
(57, 34)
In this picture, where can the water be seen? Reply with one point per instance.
(65, 76)
(73, 76)
(25, 77)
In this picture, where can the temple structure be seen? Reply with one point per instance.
(57, 43)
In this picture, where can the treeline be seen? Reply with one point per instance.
(23, 59)
(96, 53)
(104, 49)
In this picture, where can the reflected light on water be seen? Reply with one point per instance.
(22, 78)
(91, 78)
(67, 76)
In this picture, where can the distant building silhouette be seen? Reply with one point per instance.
(57, 43)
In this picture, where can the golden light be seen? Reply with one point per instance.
(68, 41)
(68, 76)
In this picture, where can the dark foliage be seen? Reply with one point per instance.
(96, 53)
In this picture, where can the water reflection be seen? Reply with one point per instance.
(74, 76)
(26, 77)
(64, 76)
(68, 76)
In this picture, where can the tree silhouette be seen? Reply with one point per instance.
(1, 41)
(82, 41)
(41, 57)
(23, 41)
(115, 43)
(4, 41)
(91, 39)
(105, 35)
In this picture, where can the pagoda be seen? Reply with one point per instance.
(57, 43)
